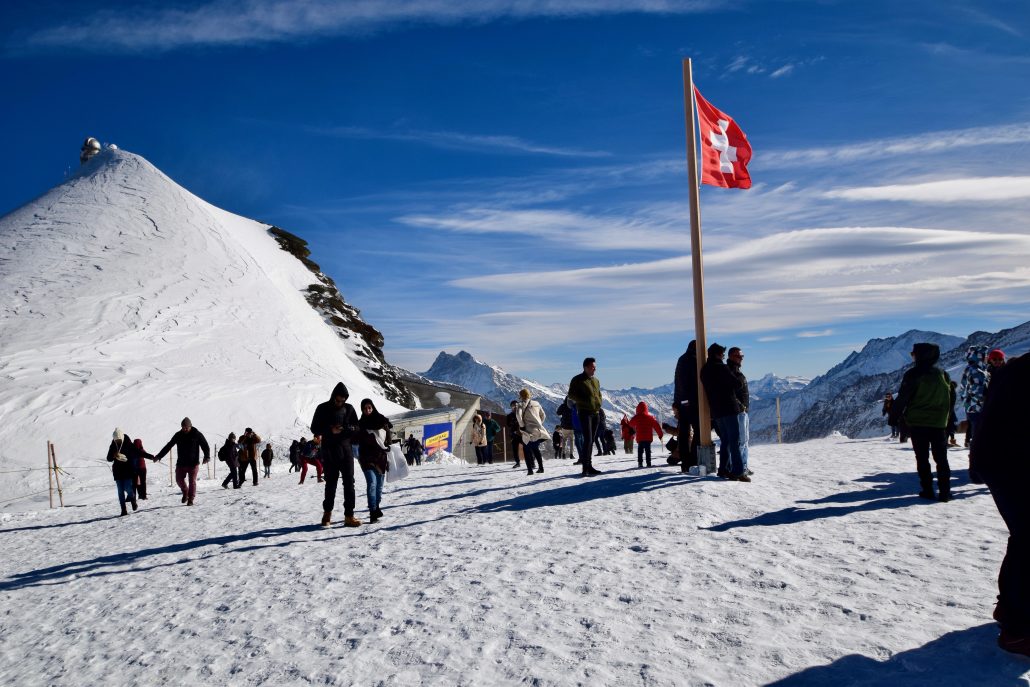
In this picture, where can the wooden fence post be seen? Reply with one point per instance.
(49, 475)
(57, 474)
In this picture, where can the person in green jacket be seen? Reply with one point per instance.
(585, 392)
(924, 401)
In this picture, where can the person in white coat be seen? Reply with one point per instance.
(534, 431)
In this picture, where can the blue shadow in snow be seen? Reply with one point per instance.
(959, 658)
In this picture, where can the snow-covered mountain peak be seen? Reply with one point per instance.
(133, 303)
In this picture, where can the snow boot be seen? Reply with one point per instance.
(124, 511)
(372, 519)
(189, 502)
(648, 462)
(327, 518)
(1013, 643)
(135, 506)
(351, 521)
(379, 512)
(928, 495)
(640, 463)
(184, 498)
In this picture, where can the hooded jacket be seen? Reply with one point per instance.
(975, 379)
(372, 456)
(924, 399)
(721, 388)
(327, 416)
(645, 424)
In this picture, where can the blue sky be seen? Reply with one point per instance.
(509, 177)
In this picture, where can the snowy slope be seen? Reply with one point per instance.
(131, 302)
(826, 570)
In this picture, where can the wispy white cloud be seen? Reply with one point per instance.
(242, 22)
(782, 71)
(921, 144)
(945, 191)
(457, 141)
(814, 334)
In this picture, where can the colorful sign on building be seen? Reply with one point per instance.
(437, 436)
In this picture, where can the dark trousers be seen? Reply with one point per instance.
(234, 475)
(141, 484)
(515, 452)
(589, 424)
(927, 440)
(643, 451)
(480, 455)
(689, 458)
(488, 451)
(243, 471)
(533, 453)
(338, 463)
(1009, 492)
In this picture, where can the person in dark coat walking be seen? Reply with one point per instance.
(722, 389)
(249, 454)
(266, 459)
(229, 454)
(413, 450)
(123, 456)
(294, 456)
(1001, 457)
(685, 397)
(511, 421)
(141, 470)
(375, 440)
(568, 432)
(492, 430)
(924, 402)
(337, 424)
(188, 442)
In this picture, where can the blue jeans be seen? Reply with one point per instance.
(744, 433)
(732, 445)
(125, 491)
(374, 481)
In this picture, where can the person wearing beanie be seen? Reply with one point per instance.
(337, 424)
(996, 358)
(724, 391)
(141, 470)
(123, 456)
(188, 443)
(924, 401)
(684, 396)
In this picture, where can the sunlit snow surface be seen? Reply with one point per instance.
(826, 570)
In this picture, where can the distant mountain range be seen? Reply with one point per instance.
(846, 399)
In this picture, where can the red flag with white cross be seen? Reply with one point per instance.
(725, 151)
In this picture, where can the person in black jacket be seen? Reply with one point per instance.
(188, 443)
(413, 449)
(511, 421)
(337, 424)
(685, 397)
(123, 456)
(1000, 457)
(229, 454)
(722, 389)
(372, 457)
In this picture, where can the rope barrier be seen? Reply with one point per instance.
(35, 493)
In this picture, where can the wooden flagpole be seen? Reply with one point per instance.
(705, 448)
(49, 474)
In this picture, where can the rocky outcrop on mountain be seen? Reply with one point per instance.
(364, 341)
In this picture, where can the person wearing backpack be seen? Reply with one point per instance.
(924, 403)
(229, 454)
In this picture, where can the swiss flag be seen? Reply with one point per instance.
(725, 151)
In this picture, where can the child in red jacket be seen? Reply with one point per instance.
(644, 426)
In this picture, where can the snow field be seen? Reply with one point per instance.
(825, 570)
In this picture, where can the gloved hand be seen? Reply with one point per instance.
(121, 458)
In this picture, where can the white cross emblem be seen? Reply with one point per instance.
(721, 142)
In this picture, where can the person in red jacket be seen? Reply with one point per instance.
(644, 427)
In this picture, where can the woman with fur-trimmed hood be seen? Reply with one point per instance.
(534, 430)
